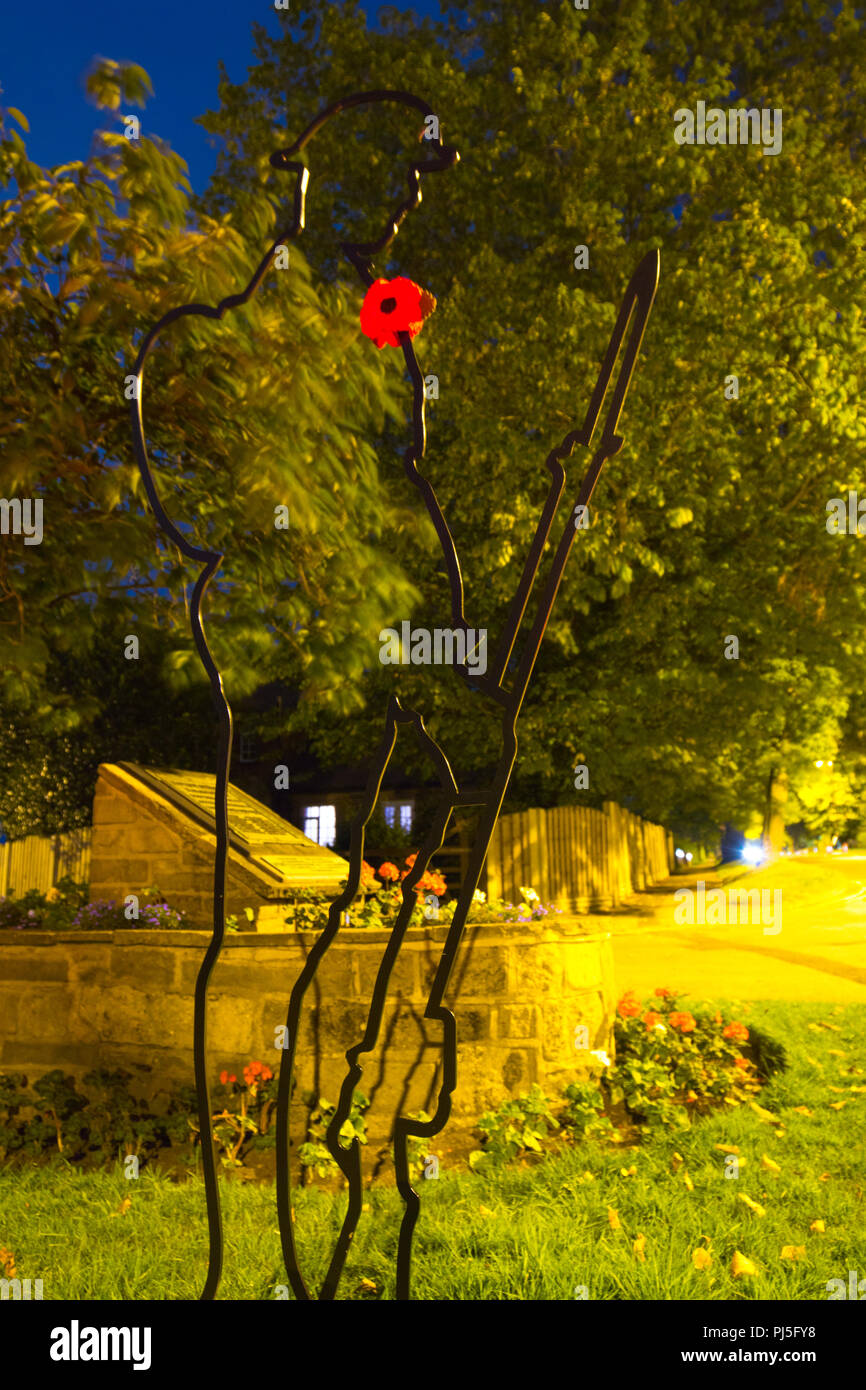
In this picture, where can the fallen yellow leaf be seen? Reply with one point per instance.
(587, 1176)
(753, 1206)
(834, 1052)
(763, 1114)
(802, 1110)
(793, 1252)
(825, 1177)
(770, 1166)
(367, 1286)
(740, 1265)
(485, 1211)
(677, 1161)
(726, 1148)
(701, 1259)
(838, 1090)
(838, 1104)
(833, 1027)
(125, 1205)
(613, 1218)
(690, 1187)
(7, 1260)
(639, 1246)
(818, 1226)
(628, 1172)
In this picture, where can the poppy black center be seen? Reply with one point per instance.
(388, 305)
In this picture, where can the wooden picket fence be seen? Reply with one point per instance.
(40, 861)
(577, 857)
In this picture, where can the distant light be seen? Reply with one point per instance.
(688, 858)
(680, 853)
(829, 764)
(820, 762)
(753, 852)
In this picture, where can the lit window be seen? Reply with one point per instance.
(398, 813)
(320, 824)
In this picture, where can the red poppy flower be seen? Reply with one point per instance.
(395, 306)
(388, 871)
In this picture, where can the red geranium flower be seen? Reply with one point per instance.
(368, 875)
(628, 1007)
(684, 1022)
(388, 871)
(663, 993)
(741, 1062)
(651, 1019)
(738, 1031)
(431, 882)
(395, 306)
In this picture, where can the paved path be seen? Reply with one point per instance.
(819, 954)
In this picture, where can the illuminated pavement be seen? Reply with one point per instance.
(819, 954)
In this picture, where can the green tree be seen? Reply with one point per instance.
(278, 410)
(711, 521)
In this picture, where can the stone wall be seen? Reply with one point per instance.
(125, 999)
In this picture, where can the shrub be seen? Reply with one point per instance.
(672, 1064)
(515, 1128)
(50, 911)
(66, 908)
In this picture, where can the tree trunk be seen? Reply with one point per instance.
(774, 816)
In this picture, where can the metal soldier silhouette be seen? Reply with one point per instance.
(502, 688)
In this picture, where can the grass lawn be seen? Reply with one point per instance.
(525, 1233)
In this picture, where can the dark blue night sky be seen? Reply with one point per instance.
(48, 45)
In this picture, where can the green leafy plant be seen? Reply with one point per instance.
(417, 1148)
(245, 1119)
(583, 1115)
(515, 1128)
(314, 1156)
(60, 1116)
(13, 1096)
(672, 1064)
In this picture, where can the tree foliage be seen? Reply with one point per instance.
(711, 521)
(279, 412)
(709, 524)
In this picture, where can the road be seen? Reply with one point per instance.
(819, 953)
